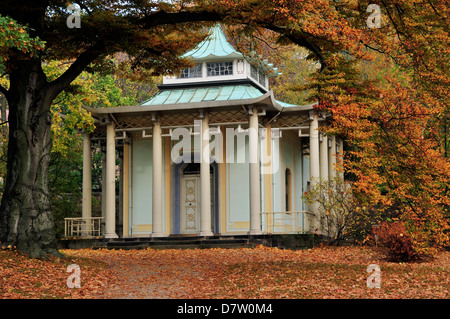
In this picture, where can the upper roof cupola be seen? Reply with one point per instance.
(216, 61)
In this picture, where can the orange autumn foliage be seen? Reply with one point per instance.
(392, 109)
(396, 239)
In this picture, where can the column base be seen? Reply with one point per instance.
(206, 234)
(111, 235)
(155, 235)
(254, 232)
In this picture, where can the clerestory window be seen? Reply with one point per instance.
(219, 68)
(194, 72)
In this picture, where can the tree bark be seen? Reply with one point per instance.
(26, 220)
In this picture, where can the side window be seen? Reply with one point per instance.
(288, 189)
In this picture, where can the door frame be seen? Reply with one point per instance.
(177, 173)
(183, 208)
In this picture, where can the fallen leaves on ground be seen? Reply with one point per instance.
(22, 277)
(261, 272)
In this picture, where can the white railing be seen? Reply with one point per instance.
(292, 222)
(80, 227)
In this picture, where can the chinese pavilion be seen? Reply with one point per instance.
(213, 152)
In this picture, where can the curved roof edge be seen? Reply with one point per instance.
(266, 99)
(292, 107)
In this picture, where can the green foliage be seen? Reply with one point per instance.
(90, 89)
(69, 118)
(15, 36)
(296, 70)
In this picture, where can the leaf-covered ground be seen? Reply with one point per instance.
(262, 272)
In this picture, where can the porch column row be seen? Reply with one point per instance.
(108, 194)
(108, 177)
(322, 163)
(205, 186)
(314, 167)
(323, 160)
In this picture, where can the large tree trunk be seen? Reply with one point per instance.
(26, 220)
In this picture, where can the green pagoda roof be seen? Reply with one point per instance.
(215, 45)
(209, 94)
(204, 94)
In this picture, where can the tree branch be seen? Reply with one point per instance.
(153, 20)
(163, 17)
(78, 66)
(4, 91)
(300, 40)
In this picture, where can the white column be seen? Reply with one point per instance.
(110, 205)
(255, 192)
(332, 158)
(157, 186)
(86, 210)
(324, 158)
(314, 168)
(205, 180)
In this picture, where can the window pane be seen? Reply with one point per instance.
(219, 68)
(195, 72)
(254, 72)
(262, 79)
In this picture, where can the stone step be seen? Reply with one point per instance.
(284, 241)
(185, 242)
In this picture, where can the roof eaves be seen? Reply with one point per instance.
(265, 99)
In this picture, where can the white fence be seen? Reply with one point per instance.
(83, 227)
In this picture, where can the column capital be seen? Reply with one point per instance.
(155, 117)
(318, 115)
(202, 114)
(313, 115)
(259, 111)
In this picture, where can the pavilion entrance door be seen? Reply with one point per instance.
(190, 205)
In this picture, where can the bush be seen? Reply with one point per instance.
(336, 207)
(398, 243)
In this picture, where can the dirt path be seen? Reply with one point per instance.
(151, 277)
